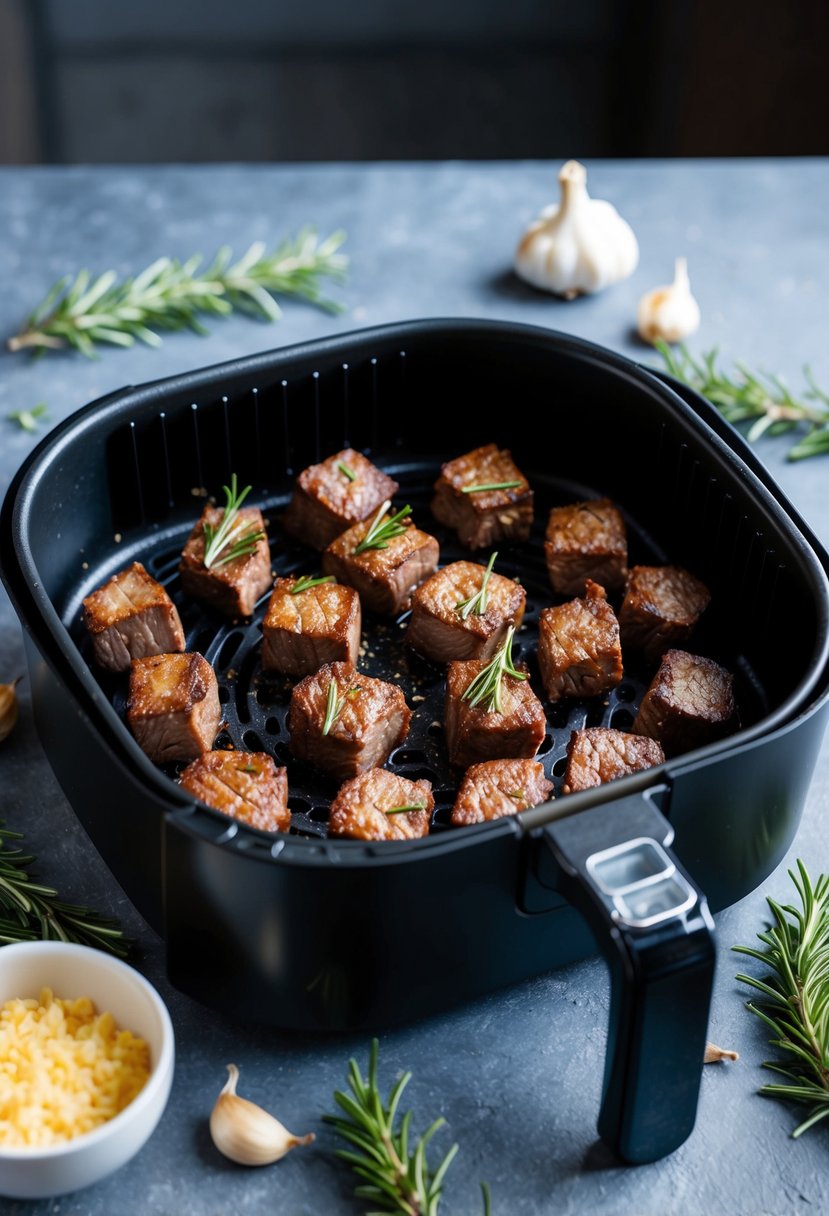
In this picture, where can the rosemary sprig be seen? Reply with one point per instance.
(29, 420)
(31, 911)
(229, 539)
(383, 530)
(477, 603)
(307, 582)
(346, 471)
(333, 707)
(401, 810)
(485, 689)
(759, 398)
(172, 295)
(795, 996)
(489, 485)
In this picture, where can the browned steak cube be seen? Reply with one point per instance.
(474, 733)
(246, 785)
(482, 516)
(662, 605)
(586, 540)
(231, 587)
(344, 722)
(130, 617)
(499, 787)
(597, 755)
(304, 629)
(331, 496)
(173, 708)
(579, 652)
(690, 702)
(385, 578)
(373, 806)
(442, 628)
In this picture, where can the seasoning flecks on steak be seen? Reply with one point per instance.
(246, 785)
(690, 702)
(385, 578)
(499, 787)
(484, 517)
(131, 617)
(371, 718)
(586, 540)
(331, 496)
(579, 652)
(474, 733)
(303, 630)
(597, 755)
(661, 607)
(173, 708)
(438, 627)
(369, 807)
(233, 587)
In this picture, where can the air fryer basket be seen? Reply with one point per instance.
(294, 929)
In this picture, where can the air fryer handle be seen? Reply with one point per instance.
(654, 928)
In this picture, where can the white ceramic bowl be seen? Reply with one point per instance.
(73, 971)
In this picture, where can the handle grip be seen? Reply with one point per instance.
(655, 930)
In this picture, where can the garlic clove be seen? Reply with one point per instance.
(246, 1133)
(715, 1054)
(8, 708)
(669, 313)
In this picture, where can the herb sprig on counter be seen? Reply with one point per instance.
(229, 539)
(83, 312)
(382, 530)
(794, 996)
(759, 398)
(30, 420)
(485, 689)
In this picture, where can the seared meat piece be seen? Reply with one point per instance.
(173, 708)
(369, 807)
(330, 497)
(473, 733)
(233, 587)
(690, 702)
(578, 646)
(596, 756)
(130, 617)
(438, 628)
(385, 578)
(246, 785)
(586, 540)
(304, 629)
(662, 605)
(499, 787)
(483, 517)
(366, 720)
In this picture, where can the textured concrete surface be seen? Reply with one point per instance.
(518, 1074)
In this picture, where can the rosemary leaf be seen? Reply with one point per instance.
(400, 810)
(307, 582)
(485, 689)
(333, 708)
(229, 539)
(382, 530)
(477, 603)
(346, 471)
(29, 420)
(490, 485)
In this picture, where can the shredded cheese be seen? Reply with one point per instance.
(64, 1069)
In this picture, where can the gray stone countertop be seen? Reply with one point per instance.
(518, 1074)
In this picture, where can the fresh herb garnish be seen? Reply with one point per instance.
(485, 689)
(794, 1000)
(518, 795)
(247, 768)
(400, 810)
(383, 530)
(490, 485)
(346, 471)
(29, 420)
(335, 704)
(229, 539)
(477, 602)
(307, 582)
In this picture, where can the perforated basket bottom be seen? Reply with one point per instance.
(256, 704)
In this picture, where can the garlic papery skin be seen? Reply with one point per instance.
(671, 313)
(245, 1132)
(578, 246)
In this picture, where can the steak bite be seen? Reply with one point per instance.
(310, 622)
(245, 785)
(662, 605)
(231, 585)
(485, 497)
(499, 787)
(463, 612)
(579, 652)
(330, 497)
(130, 617)
(379, 805)
(384, 559)
(173, 708)
(586, 540)
(344, 722)
(690, 702)
(512, 726)
(597, 755)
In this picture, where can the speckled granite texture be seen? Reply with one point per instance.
(516, 1075)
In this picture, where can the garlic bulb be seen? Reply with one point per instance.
(578, 246)
(245, 1132)
(8, 709)
(669, 313)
